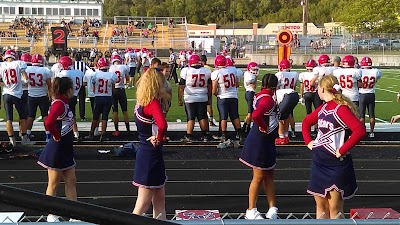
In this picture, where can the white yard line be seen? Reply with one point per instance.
(377, 119)
(381, 89)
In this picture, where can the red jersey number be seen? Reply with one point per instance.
(199, 80)
(288, 83)
(11, 76)
(229, 80)
(119, 76)
(368, 82)
(103, 86)
(32, 80)
(308, 87)
(346, 81)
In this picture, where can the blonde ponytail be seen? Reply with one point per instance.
(340, 99)
(328, 82)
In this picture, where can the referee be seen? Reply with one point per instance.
(80, 65)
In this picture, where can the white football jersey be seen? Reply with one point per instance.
(11, 73)
(287, 80)
(369, 77)
(239, 74)
(25, 82)
(226, 83)
(132, 59)
(88, 80)
(122, 71)
(103, 82)
(196, 89)
(37, 78)
(145, 62)
(56, 69)
(249, 79)
(305, 78)
(324, 71)
(76, 77)
(348, 78)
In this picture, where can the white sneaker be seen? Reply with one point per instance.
(253, 214)
(371, 135)
(74, 220)
(53, 218)
(25, 141)
(272, 213)
(97, 132)
(13, 142)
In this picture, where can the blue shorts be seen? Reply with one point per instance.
(196, 109)
(228, 106)
(9, 102)
(119, 96)
(34, 102)
(249, 96)
(102, 105)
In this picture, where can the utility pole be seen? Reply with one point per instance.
(304, 3)
(233, 14)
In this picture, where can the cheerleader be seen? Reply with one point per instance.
(332, 178)
(150, 177)
(259, 151)
(58, 154)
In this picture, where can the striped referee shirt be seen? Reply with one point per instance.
(80, 65)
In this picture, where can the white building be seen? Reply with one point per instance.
(51, 10)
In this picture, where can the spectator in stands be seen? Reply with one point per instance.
(150, 27)
(136, 23)
(145, 33)
(142, 24)
(171, 23)
(149, 176)
(130, 30)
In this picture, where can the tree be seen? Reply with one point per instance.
(378, 16)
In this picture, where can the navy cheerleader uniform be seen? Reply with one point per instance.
(327, 171)
(149, 164)
(59, 155)
(259, 151)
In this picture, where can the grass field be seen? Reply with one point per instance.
(386, 105)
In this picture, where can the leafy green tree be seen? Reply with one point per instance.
(378, 16)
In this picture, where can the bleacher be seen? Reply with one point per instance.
(166, 36)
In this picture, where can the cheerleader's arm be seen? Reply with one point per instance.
(265, 104)
(56, 110)
(353, 123)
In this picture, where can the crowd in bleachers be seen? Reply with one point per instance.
(128, 31)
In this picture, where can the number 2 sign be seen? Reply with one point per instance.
(59, 35)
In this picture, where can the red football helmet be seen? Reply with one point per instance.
(366, 62)
(144, 50)
(348, 61)
(128, 50)
(230, 61)
(311, 64)
(136, 50)
(224, 52)
(323, 59)
(115, 58)
(37, 60)
(284, 64)
(194, 60)
(26, 58)
(150, 53)
(10, 54)
(103, 63)
(220, 61)
(253, 68)
(66, 62)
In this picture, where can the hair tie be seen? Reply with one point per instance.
(336, 88)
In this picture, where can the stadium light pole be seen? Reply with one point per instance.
(233, 24)
(305, 16)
